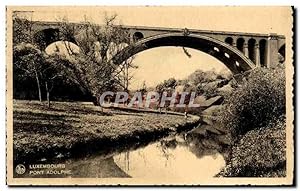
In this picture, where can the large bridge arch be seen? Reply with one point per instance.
(231, 57)
(43, 38)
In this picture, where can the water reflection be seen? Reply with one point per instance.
(184, 156)
(155, 162)
(97, 168)
(193, 155)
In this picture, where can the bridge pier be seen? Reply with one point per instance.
(245, 50)
(257, 55)
(272, 51)
(234, 44)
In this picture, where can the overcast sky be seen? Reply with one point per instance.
(158, 64)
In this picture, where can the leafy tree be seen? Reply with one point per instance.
(29, 61)
(126, 76)
(53, 69)
(205, 83)
(200, 76)
(91, 68)
(22, 28)
(166, 86)
(170, 83)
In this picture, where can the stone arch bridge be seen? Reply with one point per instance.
(239, 51)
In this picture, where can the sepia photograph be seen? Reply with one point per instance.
(149, 95)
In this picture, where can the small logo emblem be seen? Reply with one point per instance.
(20, 169)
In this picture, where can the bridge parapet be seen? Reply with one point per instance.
(261, 49)
(264, 50)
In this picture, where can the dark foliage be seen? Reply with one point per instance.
(257, 101)
(260, 152)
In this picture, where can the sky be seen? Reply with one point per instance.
(158, 64)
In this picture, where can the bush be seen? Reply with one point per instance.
(258, 100)
(170, 83)
(261, 152)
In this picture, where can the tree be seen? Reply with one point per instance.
(26, 55)
(29, 59)
(53, 69)
(170, 83)
(125, 76)
(91, 68)
(200, 76)
(22, 28)
(167, 86)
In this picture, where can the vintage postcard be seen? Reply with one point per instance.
(154, 95)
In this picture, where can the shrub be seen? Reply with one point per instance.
(261, 152)
(259, 99)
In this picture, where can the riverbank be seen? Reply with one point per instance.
(70, 129)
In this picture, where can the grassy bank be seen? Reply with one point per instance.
(71, 129)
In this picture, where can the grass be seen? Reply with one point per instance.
(68, 129)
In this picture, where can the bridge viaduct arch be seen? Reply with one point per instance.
(246, 50)
(235, 61)
(262, 49)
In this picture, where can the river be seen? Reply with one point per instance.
(181, 156)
